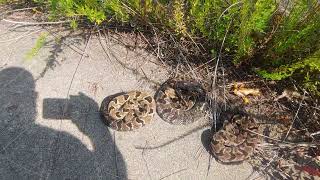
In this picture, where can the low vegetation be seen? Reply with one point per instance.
(278, 39)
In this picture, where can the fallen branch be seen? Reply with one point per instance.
(22, 36)
(17, 10)
(35, 23)
(173, 173)
(284, 143)
(295, 117)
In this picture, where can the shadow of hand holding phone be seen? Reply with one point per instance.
(31, 151)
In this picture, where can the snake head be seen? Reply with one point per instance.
(171, 93)
(191, 87)
(244, 122)
(239, 120)
(193, 91)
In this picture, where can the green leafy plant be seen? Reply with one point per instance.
(39, 44)
(308, 69)
(178, 20)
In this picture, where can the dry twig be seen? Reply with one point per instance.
(35, 23)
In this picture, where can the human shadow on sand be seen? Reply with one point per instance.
(31, 151)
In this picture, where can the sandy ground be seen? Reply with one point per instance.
(37, 142)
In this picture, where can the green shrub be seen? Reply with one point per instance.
(95, 11)
(280, 40)
(295, 48)
(306, 70)
(178, 20)
(255, 17)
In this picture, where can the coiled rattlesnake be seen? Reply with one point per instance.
(237, 139)
(129, 111)
(180, 102)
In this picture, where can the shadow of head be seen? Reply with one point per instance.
(17, 102)
(17, 95)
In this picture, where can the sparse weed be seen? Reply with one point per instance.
(38, 45)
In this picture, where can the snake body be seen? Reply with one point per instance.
(236, 141)
(129, 111)
(177, 101)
